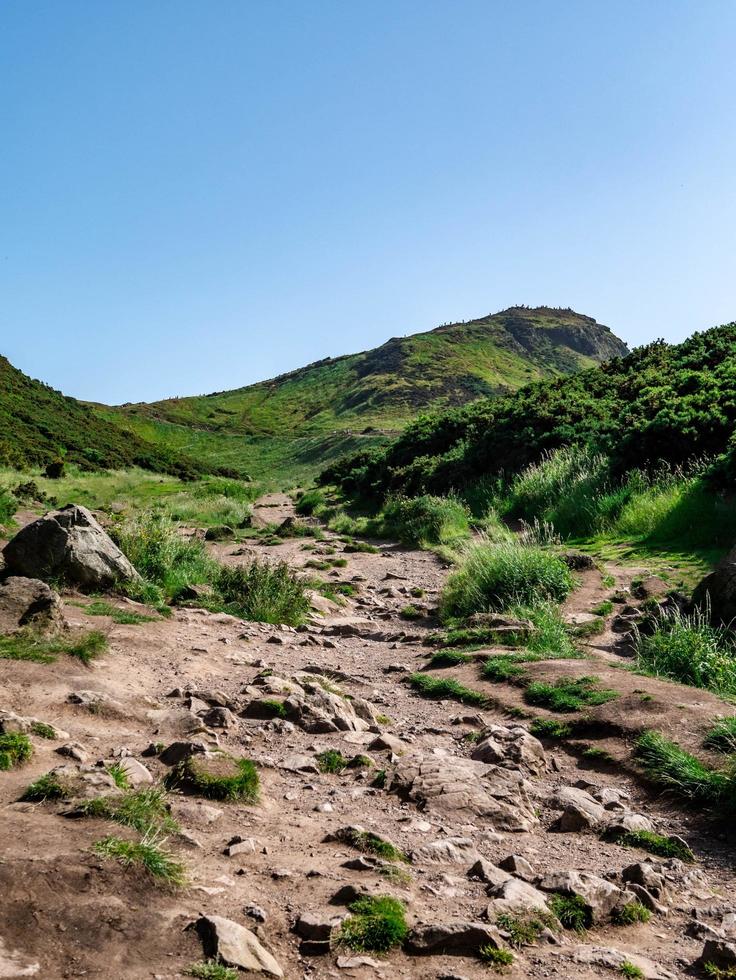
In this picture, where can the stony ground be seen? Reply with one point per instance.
(199, 677)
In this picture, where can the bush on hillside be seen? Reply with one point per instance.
(425, 520)
(263, 593)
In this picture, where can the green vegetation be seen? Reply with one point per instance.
(119, 775)
(716, 972)
(659, 844)
(498, 576)
(571, 911)
(495, 957)
(331, 761)
(121, 616)
(8, 506)
(262, 592)
(219, 778)
(446, 658)
(145, 810)
(211, 971)
(525, 928)
(28, 645)
(15, 749)
(604, 608)
(411, 612)
(148, 854)
(277, 708)
(675, 770)
(441, 688)
(503, 668)
(688, 649)
(309, 502)
(594, 753)
(630, 913)
(425, 520)
(550, 728)
(376, 924)
(568, 694)
(722, 736)
(631, 971)
(46, 787)
(42, 730)
(370, 843)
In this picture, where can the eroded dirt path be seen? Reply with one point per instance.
(75, 914)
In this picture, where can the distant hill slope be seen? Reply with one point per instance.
(385, 387)
(39, 424)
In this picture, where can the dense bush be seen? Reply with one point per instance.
(496, 576)
(8, 506)
(263, 593)
(425, 520)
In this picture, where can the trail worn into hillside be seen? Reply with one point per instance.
(492, 823)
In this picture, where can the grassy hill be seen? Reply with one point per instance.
(385, 387)
(39, 425)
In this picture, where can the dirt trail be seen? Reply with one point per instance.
(75, 914)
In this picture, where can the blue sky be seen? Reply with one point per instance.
(198, 195)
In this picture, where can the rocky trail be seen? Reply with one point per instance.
(485, 820)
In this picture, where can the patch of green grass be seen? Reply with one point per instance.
(675, 770)
(15, 749)
(145, 810)
(331, 761)
(503, 668)
(360, 762)
(441, 688)
(375, 924)
(309, 502)
(411, 612)
(631, 971)
(28, 645)
(568, 694)
(379, 780)
(524, 928)
(46, 787)
(571, 910)
(263, 593)
(317, 564)
(604, 608)
(722, 736)
(688, 649)
(211, 971)
(217, 778)
(42, 730)
(498, 576)
(424, 521)
(370, 843)
(659, 844)
(358, 547)
(119, 775)
(715, 972)
(595, 754)
(593, 627)
(446, 658)
(630, 913)
(120, 616)
(276, 707)
(495, 957)
(550, 728)
(148, 854)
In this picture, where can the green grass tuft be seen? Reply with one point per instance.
(503, 668)
(217, 778)
(441, 688)
(370, 843)
(675, 770)
(47, 787)
(148, 854)
(375, 924)
(120, 616)
(263, 593)
(630, 913)
(722, 736)
(276, 707)
(15, 749)
(495, 957)
(571, 910)
(446, 658)
(524, 928)
(659, 844)
(28, 645)
(568, 694)
(211, 971)
(144, 810)
(42, 730)
(631, 971)
(331, 761)
(550, 728)
(119, 775)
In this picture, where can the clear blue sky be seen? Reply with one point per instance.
(198, 195)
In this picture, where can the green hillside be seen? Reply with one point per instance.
(39, 425)
(384, 388)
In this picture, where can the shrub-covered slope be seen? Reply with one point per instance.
(39, 424)
(661, 403)
(385, 387)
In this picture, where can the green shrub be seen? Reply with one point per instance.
(659, 844)
(375, 924)
(494, 956)
(631, 971)
(676, 770)
(568, 694)
(630, 913)
(309, 502)
(441, 688)
(263, 593)
(688, 649)
(147, 854)
(8, 506)
(495, 577)
(571, 910)
(15, 749)
(331, 761)
(722, 736)
(425, 520)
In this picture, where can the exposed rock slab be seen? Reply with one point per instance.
(29, 602)
(234, 945)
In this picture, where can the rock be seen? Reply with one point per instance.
(458, 938)
(256, 912)
(219, 718)
(74, 750)
(652, 587)
(517, 894)
(239, 846)
(317, 926)
(234, 945)
(300, 763)
(578, 561)
(312, 704)
(177, 752)
(511, 747)
(320, 603)
(195, 813)
(720, 952)
(29, 602)
(388, 743)
(97, 702)
(629, 822)
(518, 866)
(455, 784)
(580, 810)
(647, 875)
(485, 871)
(600, 896)
(11, 723)
(84, 782)
(450, 850)
(219, 532)
(68, 544)
(613, 958)
(137, 773)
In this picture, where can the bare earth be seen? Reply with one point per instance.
(65, 912)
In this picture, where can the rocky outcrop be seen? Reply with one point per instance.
(29, 602)
(311, 702)
(512, 748)
(68, 544)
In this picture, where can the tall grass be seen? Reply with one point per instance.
(425, 520)
(262, 592)
(687, 648)
(679, 772)
(497, 576)
(8, 506)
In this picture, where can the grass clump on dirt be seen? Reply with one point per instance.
(495, 957)
(211, 971)
(550, 728)
(370, 843)
(499, 576)
(604, 608)
(28, 645)
(659, 844)
(424, 521)
(524, 928)
(722, 736)
(571, 911)
(446, 658)
(148, 854)
(715, 972)
(631, 970)
(441, 688)
(674, 769)
(688, 649)
(277, 708)
(568, 694)
(331, 761)
(119, 775)
(219, 777)
(42, 730)
(630, 913)
(144, 810)
(376, 924)
(15, 749)
(309, 502)
(46, 787)
(502, 668)
(263, 593)
(120, 616)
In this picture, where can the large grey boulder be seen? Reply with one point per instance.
(601, 897)
(29, 602)
(68, 544)
(234, 945)
(455, 938)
